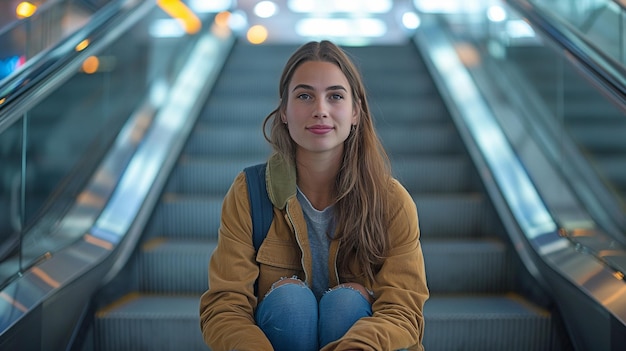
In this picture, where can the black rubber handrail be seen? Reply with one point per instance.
(24, 89)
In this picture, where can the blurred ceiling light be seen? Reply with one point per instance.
(447, 6)
(331, 6)
(178, 10)
(369, 6)
(410, 20)
(238, 20)
(166, 28)
(265, 9)
(257, 34)
(496, 14)
(210, 6)
(341, 27)
(25, 9)
(519, 29)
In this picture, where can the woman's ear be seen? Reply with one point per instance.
(281, 112)
(356, 112)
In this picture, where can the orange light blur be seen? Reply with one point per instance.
(257, 34)
(91, 64)
(88, 198)
(98, 242)
(179, 11)
(10, 300)
(25, 9)
(45, 277)
(468, 54)
(82, 45)
(222, 18)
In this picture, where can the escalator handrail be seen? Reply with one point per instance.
(621, 4)
(531, 218)
(46, 6)
(610, 74)
(151, 142)
(48, 69)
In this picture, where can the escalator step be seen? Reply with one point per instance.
(452, 323)
(466, 266)
(134, 324)
(486, 323)
(189, 217)
(169, 266)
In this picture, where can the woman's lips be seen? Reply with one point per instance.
(320, 129)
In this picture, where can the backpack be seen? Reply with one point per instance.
(261, 208)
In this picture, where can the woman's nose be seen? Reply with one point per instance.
(320, 109)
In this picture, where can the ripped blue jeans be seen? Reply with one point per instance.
(292, 319)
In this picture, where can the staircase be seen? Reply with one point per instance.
(476, 301)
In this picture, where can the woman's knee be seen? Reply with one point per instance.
(290, 293)
(358, 287)
(345, 297)
(288, 315)
(340, 308)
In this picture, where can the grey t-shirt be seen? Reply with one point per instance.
(318, 223)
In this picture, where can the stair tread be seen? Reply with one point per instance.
(183, 245)
(458, 306)
(434, 244)
(481, 305)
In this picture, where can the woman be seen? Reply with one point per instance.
(341, 267)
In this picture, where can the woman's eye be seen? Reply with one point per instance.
(336, 97)
(304, 97)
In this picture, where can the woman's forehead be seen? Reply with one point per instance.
(319, 74)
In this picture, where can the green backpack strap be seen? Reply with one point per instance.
(261, 208)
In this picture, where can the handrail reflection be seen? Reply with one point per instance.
(45, 62)
(99, 227)
(607, 66)
(587, 270)
(600, 195)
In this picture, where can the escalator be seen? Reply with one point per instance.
(589, 122)
(481, 296)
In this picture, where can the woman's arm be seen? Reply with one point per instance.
(227, 307)
(400, 288)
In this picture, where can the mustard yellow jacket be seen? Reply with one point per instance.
(227, 307)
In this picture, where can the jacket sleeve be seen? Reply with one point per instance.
(227, 307)
(400, 288)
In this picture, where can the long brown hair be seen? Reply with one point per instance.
(364, 177)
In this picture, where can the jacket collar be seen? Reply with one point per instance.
(280, 177)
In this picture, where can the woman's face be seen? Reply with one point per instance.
(320, 109)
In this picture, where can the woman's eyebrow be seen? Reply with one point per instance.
(336, 87)
(302, 86)
(308, 87)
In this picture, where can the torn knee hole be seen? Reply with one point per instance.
(285, 281)
(367, 294)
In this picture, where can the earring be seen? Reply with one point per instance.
(353, 128)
